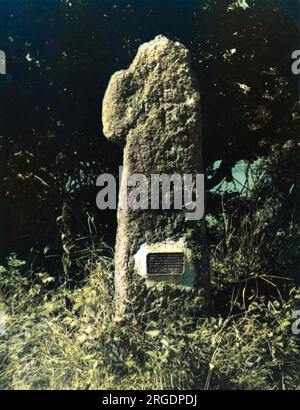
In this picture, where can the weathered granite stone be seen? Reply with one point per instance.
(152, 109)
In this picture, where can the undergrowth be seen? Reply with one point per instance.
(55, 337)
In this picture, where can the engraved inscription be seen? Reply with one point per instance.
(165, 263)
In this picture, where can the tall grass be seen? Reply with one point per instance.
(64, 338)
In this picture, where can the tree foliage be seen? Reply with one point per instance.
(61, 55)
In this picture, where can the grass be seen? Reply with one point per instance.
(63, 338)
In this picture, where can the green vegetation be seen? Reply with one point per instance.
(67, 339)
(63, 337)
(59, 330)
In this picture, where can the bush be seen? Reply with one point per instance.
(68, 339)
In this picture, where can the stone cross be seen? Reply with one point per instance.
(152, 110)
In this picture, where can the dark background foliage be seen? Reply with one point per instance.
(61, 55)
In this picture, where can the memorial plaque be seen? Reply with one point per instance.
(163, 263)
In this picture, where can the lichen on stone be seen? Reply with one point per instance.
(153, 110)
